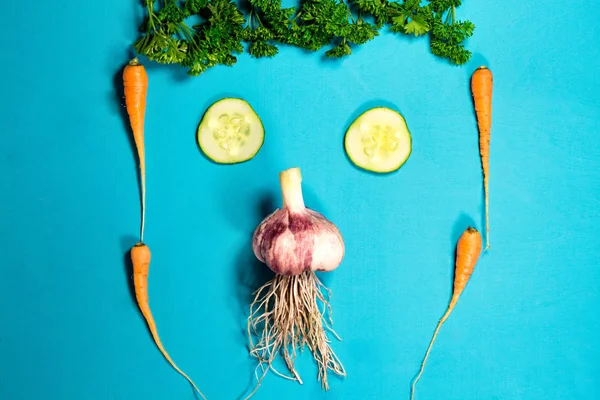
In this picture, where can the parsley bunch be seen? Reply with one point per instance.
(265, 24)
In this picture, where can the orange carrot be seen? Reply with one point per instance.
(135, 82)
(140, 258)
(482, 83)
(468, 250)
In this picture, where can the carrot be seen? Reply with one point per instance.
(140, 258)
(468, 250)
(482, 83)
(135, 82)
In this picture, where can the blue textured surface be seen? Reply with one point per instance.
(526, 328)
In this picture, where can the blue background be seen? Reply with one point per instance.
(525, 328)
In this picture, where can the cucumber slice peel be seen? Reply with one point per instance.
(378, 140)
(230, 132)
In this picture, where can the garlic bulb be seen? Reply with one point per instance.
(295, 239)
(291, 311)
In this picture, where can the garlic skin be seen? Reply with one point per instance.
(295, 239)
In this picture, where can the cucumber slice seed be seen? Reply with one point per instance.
(230, 132)
(378, 140)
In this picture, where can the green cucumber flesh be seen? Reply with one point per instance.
(378, 140)
(230, 132)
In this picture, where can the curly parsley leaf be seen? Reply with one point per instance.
(261, 48)
(314, 24)
(341, 50)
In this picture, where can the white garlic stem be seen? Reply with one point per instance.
(291, 189)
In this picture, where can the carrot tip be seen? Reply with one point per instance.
(134, 61)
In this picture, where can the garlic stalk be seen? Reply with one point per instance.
(292, 310)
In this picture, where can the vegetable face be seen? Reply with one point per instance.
(230, 132)
(285, 315)
(378, 140)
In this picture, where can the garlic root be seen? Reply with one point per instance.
(285, 316)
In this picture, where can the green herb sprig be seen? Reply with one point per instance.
(264, 25)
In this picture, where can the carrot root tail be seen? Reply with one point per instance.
(168, 358)
(435, 333)
(143, 188)
(487, 217)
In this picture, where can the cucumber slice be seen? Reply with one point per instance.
(378, 140)
(230, 132)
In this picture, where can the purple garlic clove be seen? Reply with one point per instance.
(295, 239)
